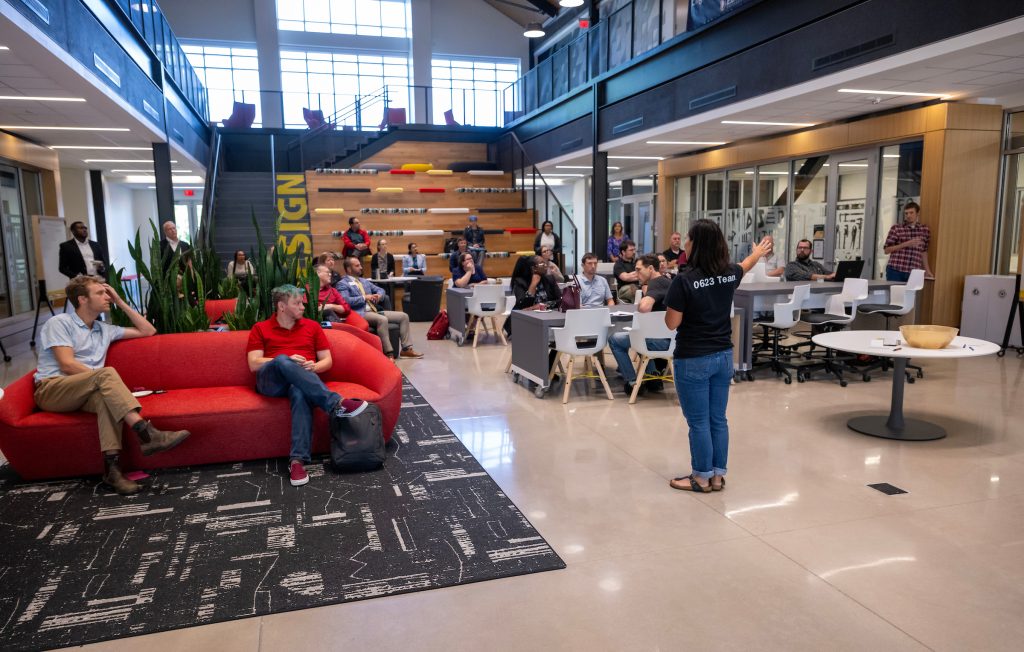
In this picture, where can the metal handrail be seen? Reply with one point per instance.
(564, 220)
(210, 186)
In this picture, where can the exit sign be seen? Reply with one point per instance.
(189, 193)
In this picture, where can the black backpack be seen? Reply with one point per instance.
(450, 245)
(357, 443)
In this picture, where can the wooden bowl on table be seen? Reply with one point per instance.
(928, 337)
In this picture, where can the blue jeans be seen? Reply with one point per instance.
(619, 343)
(892, 274)
(703, 387)
(282, 376)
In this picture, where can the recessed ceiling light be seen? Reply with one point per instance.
(37, 98)
(890, 155)
(534, 30)
(35, 128)
(118, 160)
(639, 158)
(151, 179)
(777, 173)
(581, 167)
(869, 92)
(567, 174)
(569, 4)
(768, 124)
(138, 149)
(147, 171)
(684, 142)
(4, 47)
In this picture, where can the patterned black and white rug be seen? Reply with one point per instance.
(80, 565)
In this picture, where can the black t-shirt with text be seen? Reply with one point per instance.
(657, 289)
(706, 303)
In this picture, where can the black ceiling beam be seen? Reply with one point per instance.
(545, 6)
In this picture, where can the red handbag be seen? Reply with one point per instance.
(570, 295)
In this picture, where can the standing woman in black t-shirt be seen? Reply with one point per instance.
(699, 308)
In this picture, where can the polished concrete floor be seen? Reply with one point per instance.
(796, 554)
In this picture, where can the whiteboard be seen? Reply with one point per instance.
(49, 232)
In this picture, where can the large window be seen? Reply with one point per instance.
(362, 17)
(230, 75)
(470, 89)
(332, 81)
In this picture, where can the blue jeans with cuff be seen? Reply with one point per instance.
(619, 344)
(282, 376)
(702, 384)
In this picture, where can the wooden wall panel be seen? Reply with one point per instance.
(441, 155)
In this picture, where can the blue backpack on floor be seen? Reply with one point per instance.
(357, 443)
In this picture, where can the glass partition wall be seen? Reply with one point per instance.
(843, 203)
(1012, 206)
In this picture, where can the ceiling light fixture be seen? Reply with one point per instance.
(4, 47)
(151, 179)
(868, 92)
(638, 158)
(684, 142)
(534, 30)
(768, 124)
(137, 149)
(39, 98)
(118, 160)
(570, 4)
(35, 128)
(581, 167)
(148, 171)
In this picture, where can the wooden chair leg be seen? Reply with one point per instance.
(555, 365)
(508, 367)
(640, 369)
(501, 333)
(476, 330)
(568, 380)
(604, 381)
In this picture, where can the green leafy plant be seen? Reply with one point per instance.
(228, 288)
(119, 317)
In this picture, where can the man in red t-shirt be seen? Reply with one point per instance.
(286, 352)
(356, 240)
(334, 305)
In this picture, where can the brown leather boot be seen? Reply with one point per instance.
(116, 479)
(157, 441)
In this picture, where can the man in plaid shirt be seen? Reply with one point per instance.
(907, 246)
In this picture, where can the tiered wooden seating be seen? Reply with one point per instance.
(502, 210)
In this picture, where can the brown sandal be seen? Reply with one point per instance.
(720, 485)
(688, 483)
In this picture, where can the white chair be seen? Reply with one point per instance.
(585, 334)
(486, 302)
(649, 326)
(840, 311)
(785, 316)
(901, 302)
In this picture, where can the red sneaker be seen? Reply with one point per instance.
(350, 407)
(299, 476)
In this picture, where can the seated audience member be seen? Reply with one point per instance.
(675, 254)
(772, 266)
(625, 272)
(414, 263)
(286, 352)
(241, 268)
(663, 265)
(475, 240)
(548, 254)
(594, 290)
(330, 259)
(364, 298)
(356, 240)
(71, 375)
(532, 287)
(471, 274)
(383, 264)
(547, 237)
(653, 301)
(335, 308)
(804, 268)
(453, 258)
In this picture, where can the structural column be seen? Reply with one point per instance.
(164, 183)
(268, 56)
(99, 209)
(420, 47)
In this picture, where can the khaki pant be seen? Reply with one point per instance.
(101, 392)
(379, 323)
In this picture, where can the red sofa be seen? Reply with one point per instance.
(210, 391)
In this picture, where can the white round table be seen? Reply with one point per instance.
(895, 426)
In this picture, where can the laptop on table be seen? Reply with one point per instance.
(848, 269)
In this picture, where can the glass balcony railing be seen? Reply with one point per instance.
(149, 22)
